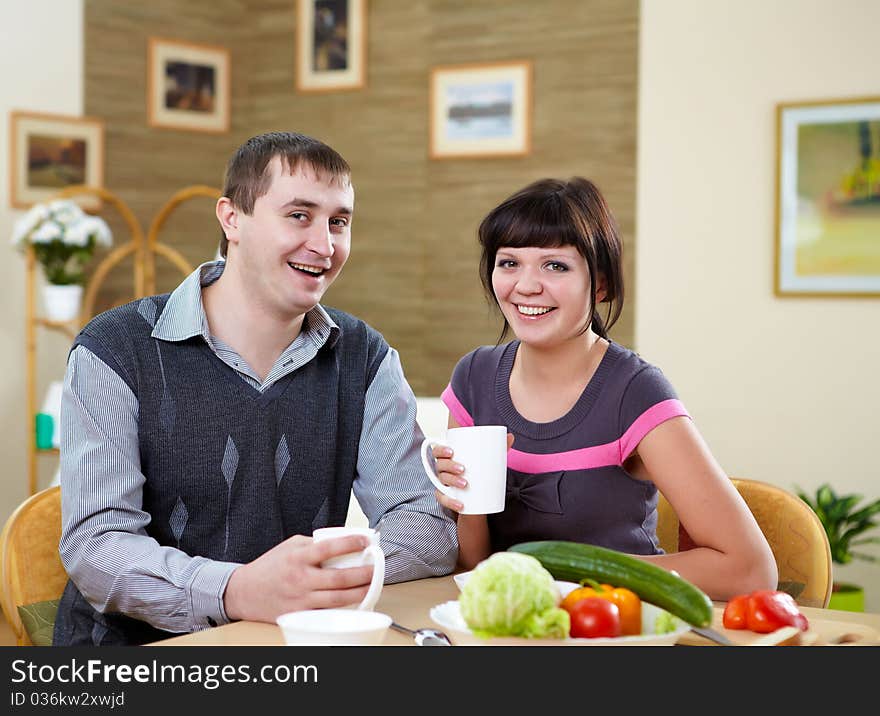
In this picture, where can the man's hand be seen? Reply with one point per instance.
(289, 577)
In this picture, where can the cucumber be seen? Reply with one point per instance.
(574, 561)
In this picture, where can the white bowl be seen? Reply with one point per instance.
(334, 627)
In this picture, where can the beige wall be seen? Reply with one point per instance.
(413, 271)
(785, 390)
(49, 80)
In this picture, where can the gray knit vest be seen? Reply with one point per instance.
(230, 472)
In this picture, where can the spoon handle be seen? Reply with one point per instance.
(395, 625)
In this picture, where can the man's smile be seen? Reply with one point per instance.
(307, 269)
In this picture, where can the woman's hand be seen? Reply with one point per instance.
(451, 473)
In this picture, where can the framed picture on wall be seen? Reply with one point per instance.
(188, 86)
(49, 152)
(481, 110)
(828, 198)
(331, 42)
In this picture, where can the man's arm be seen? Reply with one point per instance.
(104, 545)
(418, 535)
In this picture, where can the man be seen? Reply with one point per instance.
(209, 431)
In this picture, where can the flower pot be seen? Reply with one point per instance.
(62, 303)
(848, 597)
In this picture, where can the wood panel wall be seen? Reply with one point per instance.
(413, 269)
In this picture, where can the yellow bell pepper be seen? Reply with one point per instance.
(628, 603)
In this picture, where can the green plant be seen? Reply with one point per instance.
(63, 237)
(845, 522)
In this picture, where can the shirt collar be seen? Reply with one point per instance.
(184, 314)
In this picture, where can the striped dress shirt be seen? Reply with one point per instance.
(104, 544)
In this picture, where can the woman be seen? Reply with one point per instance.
(596, 431)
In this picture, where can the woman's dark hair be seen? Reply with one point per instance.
(550, 213)
(247, 178)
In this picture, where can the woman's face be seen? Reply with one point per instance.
(544, 293)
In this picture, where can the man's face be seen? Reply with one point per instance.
(295, 242)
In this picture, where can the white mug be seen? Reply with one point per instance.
(482, 449)
(372, 554)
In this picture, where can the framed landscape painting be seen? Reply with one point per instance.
(481, 110)
(49, 152)
(188, 86)
(331, 42)
(828, 198)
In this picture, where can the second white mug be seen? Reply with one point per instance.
(482, 449)
(373, 554)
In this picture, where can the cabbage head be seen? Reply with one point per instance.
(512, 594)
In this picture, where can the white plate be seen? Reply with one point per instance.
(448, 616)
(564, 587)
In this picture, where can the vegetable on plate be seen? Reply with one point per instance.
(574, 561)
(628, 603)
(763, 611)
(593, 617)
(511, 594)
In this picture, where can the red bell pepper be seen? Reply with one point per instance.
(763, 611)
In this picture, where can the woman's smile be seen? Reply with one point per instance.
(533, 313)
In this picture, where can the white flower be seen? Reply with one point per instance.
(66, 212)
(27, 223)
(77, 235)
(63, 237)
(60, 220)
(88, 227)
(103, 235)
(46, 232)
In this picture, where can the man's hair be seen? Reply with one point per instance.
(549, 213)
(247, 174)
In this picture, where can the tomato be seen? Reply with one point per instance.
(594, 617)
(736, 612)
(627, 601)
(763, 611)
(770, 610)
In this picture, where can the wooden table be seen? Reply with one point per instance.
(408, 603)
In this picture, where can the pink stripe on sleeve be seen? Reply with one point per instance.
(647, 421)
(456, 409)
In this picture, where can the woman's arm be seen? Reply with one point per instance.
(473, 530)
(732, 555)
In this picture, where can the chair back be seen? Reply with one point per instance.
(30, 565)
(793, 531)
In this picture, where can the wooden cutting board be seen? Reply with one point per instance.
(822, 632)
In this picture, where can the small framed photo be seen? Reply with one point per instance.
(331, 43)
(49, 152)
(828, 198)
(188, 86)
(481, 110)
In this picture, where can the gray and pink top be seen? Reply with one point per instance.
(565, 478)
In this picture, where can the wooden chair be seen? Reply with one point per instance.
(794, 532)
(30, 565)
